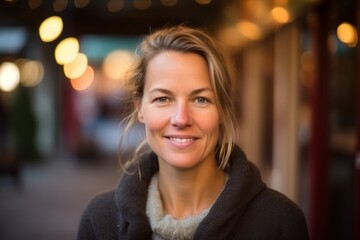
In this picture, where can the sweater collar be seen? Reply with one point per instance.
(163, 225)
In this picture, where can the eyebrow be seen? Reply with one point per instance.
(194, 92)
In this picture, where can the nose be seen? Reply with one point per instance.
(181, 117)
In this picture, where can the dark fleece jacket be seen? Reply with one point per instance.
(246, 209)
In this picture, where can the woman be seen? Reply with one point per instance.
(195, 183)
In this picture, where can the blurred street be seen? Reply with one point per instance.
(50, 198)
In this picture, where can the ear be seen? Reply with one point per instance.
(137, 104)
(140, 117)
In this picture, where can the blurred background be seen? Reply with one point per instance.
(296, 69)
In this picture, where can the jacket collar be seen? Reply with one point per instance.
(244, 184)
(131, 196)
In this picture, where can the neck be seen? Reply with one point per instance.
(188, 192)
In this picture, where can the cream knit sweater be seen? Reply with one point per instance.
(164, 226)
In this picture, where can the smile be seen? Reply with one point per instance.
(181, 140)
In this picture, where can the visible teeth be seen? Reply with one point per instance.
(181, 140)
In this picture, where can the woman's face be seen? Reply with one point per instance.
(179, 111)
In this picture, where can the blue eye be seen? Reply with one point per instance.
(162, 100)
(201, 100)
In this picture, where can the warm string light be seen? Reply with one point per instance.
(142, 4)
(203, 2)
(60, 5)
(50, 29)
(249, 29)
(168, 3)
(33, 4)
(25, 71)
(115, 5)
(77, 67)
(280, 15)
(117, 63)
(31, 73)
(67, 50)
(9, 76)
(347, 34)
(67, 54)
(81, 3)
(84, 81)
(258, 19)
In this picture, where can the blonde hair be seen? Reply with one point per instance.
(185, 39)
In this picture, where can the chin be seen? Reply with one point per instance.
(182, 163)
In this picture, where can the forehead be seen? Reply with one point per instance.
(178, 67)
(172, 57)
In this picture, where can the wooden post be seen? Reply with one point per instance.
(285, 138)
(357, 157)
(319, 142)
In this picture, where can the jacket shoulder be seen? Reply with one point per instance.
(281, 213)
(99, 219)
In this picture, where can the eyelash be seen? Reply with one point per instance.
(199, 100)
(162, 99)
(203, 99)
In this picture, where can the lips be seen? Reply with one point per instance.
(181, 140)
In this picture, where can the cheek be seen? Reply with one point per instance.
(152, 121)
(209, 123)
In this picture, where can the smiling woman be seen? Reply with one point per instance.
(195, 183)
(179, 112)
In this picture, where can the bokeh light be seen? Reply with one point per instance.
(117, 63)
(33, 4)
(31, 73)
(168, 3)
(280, 14)
(115, 5)
(230, 36)
(67, 50)
(51, 28)
(347, 34)
(203, 2)
(60, 5)
(81, 3)
(9, 76)
(77, 67)
(142, 4)
(84, 81)
(249, 30)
